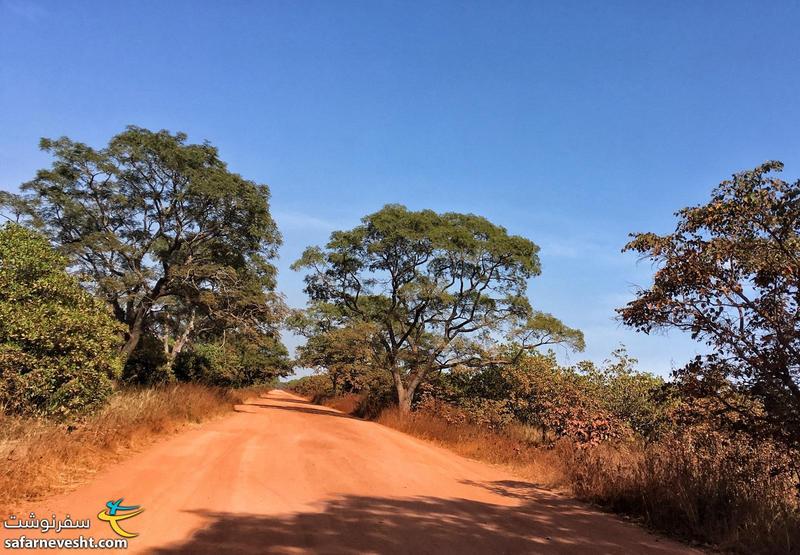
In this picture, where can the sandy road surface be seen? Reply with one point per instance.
(284, 476)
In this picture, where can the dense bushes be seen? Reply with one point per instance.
(584, 402)
(236, 363)
(58, 344)
(314, 387)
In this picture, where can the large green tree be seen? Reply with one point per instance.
(58, 344)
(439, 289)
(161, 230)
(730, 275)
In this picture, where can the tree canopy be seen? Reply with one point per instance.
(174, 242)
(440, 290)
(730, 275)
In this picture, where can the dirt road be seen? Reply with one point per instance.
(284, 476)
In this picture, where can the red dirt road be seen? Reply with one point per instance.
(284, 476)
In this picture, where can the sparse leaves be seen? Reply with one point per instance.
(730, 276)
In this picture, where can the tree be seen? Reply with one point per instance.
(161, 230)
(58, 344)
(438, 288)
(346, 354)
(239, 361)
(345, 350)
(730, 275)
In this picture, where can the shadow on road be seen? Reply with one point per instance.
(514, 489)
(359, 524)
(283, 400)
(308, 409)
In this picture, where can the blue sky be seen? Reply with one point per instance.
(571, 123)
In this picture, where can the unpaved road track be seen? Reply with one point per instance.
(284, 476)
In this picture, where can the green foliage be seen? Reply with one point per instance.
(178, 245)
(58, 344)
(730, 275)
(148, 364)
(377, 392)
(345, 354)
(542, 328)
(585, 403)
(236, 363)
(314, 387)
(436, 287)
(640, 399)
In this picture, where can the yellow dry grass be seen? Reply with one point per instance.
(708, 490)
(41, 457)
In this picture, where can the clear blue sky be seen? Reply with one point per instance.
(572, 124)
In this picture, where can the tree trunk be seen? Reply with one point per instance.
(136, 325)
(403, 400)
(183, 340)
(405, 394)
(134, 334)
(180, 342)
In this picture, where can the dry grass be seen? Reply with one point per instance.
(41, 457)
(702, 488)
(518, 447)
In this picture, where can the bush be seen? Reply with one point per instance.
(315, 387)
(147, 364)
(639, 399)
(377, 392)
(58, 344)
(237, 363)
(492, 414)
(584, 402)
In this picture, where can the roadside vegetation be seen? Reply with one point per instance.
(138, 294)
(421, 321)
(45, 456)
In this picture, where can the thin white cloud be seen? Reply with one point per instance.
(560, 249)
(580, 248)
(300, 221)
(32, 11)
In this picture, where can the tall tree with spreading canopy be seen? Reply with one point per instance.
(439, 289)
(730, 275)
(162, 231)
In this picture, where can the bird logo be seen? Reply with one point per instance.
(115, 512)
